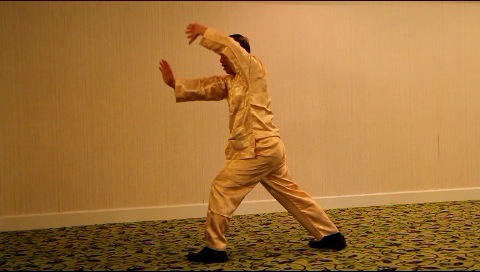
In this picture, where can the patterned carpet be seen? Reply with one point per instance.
(429, 236)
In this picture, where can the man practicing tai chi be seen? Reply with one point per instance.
(254, 152)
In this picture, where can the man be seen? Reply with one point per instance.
(254, 152)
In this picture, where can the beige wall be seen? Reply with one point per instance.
(370, 97)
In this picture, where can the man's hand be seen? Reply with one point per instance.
(193, 30)
(167, 73)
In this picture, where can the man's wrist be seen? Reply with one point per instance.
(203, 30)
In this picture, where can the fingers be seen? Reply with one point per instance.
(192, 37)
(192, 32)
(167, 73)
(191, 28)
(164, 66)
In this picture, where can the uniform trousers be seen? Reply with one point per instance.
(240, 176)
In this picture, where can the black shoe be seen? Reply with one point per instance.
(335, 241)
(208, 255)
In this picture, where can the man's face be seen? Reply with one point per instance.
(226, 65)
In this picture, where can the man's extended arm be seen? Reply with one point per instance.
(218, 42)
(209, 88)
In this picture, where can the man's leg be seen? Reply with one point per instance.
(300, 204)
(228, 190)
(302, 207)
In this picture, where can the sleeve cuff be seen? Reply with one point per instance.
(179, 91)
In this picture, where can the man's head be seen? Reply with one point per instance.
(243, 41)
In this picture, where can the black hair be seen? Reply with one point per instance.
(243, 41)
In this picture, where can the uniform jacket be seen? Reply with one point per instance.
(250, 116)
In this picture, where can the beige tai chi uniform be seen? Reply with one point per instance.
(255, 153)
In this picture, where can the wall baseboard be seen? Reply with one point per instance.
(56, 220)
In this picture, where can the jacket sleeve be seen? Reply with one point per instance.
(220, 43)
(208, 88)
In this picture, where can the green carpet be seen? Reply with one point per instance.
(429, 236)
